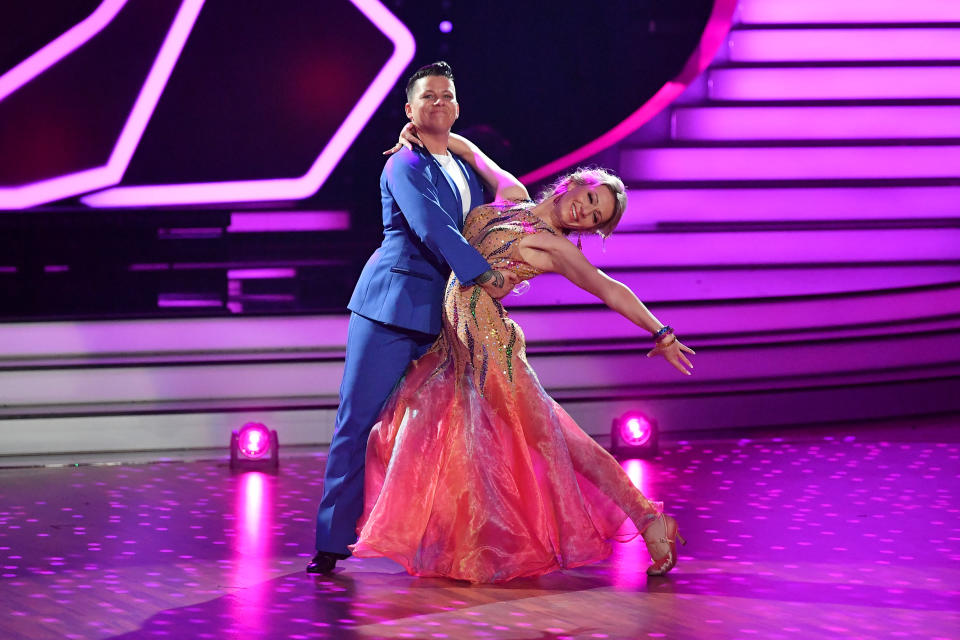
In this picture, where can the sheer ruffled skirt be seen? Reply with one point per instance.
(487, 488)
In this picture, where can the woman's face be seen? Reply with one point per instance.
(585, 207)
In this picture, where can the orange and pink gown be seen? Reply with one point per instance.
(473, 471)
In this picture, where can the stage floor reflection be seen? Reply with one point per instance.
(835, 536)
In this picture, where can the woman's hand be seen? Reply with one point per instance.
(408, 138)
(673, 351)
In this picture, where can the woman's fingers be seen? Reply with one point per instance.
(680, 368)
(408, 136)
(393, 149)
(673, 356)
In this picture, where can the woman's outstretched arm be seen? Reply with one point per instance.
(551, 253)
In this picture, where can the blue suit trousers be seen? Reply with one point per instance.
(377, 357)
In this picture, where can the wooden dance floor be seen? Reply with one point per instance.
(849, 535)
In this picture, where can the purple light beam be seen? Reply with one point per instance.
(68, 42)
(279, 221)
(72, 184)
(284, 188)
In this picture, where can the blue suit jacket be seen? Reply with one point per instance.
(402, 283)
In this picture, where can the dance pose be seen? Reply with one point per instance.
(396, 306)
(473, 471)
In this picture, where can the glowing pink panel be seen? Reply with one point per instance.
(792, 163)
(815, 123)
(650, 206)
(188, 300)
(261, 274)
(847, 11)
(806, 45)
(284, 188)
(829, 83)
(96, 178)
(260, 221)
(57, 50)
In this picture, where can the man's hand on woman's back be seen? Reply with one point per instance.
(497, 283)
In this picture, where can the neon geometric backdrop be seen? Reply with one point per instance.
(112, 172)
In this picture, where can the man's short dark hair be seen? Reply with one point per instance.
(439, 68)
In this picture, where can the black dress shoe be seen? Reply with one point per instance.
(324, 562)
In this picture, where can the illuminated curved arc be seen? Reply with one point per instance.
(59, 48)
(714, 35)
(71, 184)
(403, 51)
(285, 188)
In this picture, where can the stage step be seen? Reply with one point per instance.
(865, 331)
(815, 123)
(834, 83)
(842, 45)
(847, 11)
(135, 390)
(791, 163)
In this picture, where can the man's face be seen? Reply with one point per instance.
(433, 107)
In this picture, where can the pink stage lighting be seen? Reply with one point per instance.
(28, 195)
(254, 446)
(714, 35)
(635, 430)
(61, 47)
(254, 440)
(290, 188)
(633, 435)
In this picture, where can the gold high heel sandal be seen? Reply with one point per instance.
(656, 537)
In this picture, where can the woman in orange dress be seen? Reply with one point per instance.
(474, 472)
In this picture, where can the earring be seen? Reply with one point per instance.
(580, 241)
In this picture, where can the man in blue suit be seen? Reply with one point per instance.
(397, 304)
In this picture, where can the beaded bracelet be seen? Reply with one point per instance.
(663, 332)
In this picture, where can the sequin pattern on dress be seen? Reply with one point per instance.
(479, 324)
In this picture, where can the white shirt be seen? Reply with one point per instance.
(452, 169)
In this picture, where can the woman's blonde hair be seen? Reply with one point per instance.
(592, 176)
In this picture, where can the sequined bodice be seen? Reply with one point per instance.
(477, 330)
(495, 230)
